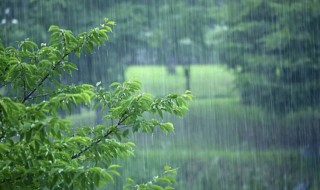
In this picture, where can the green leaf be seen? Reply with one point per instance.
(167, 127)
(169, 170)
(163, 179)
(71, 65)
(107, 177)
(98, 83)
(4, 147)
(172, 96)
(53, 28)
(28, 135)
(114, 166)
(114, 84)
(156, 187)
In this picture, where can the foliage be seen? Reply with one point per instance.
(275, 48)
(178, 33)
(39, 149)
(165, 179)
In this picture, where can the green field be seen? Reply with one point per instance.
(223, 169)
(207, 81)
(216, 117)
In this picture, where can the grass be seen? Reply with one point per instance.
(224, 169)
(225, 122)
(207, 81)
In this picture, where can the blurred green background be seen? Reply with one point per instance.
(252, 66)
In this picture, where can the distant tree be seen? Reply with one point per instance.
(182, 24)
(130, 36)
(274, 46)
(178, 35)
(39, 149)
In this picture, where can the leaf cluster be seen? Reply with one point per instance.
(41, 150)
(162, 182)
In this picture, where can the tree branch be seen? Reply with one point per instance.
(91, 145)
(43, 79)
(77, 155)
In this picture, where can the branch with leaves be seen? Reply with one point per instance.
(162, 182)
(41, 150)
(127, 104)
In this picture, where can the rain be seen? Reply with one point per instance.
(253, 67)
